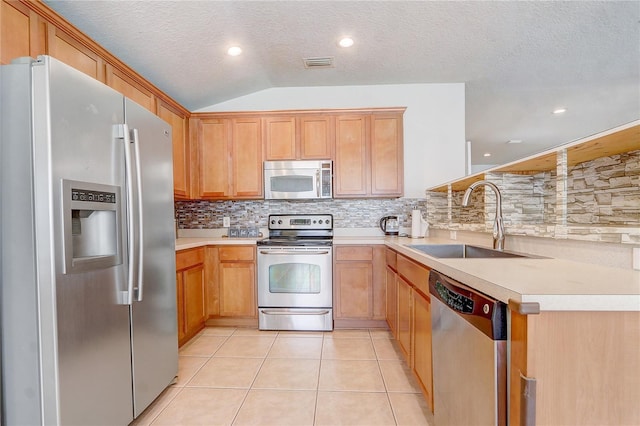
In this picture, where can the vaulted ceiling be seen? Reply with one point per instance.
(519, 60)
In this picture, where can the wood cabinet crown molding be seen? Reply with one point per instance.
(60, 23)
(274, 113)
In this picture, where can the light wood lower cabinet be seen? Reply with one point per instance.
(191, 293)
(586, 366)
(231, 280)
(411, 316)
(421, 343)
(359, 286)
(404, 318)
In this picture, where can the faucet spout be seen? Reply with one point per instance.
(498, 227)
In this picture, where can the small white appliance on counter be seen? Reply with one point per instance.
(298, 180)
(88, 295)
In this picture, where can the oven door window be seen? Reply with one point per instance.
(292, 183)
(301, 278)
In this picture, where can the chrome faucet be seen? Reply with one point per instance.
(498, 227)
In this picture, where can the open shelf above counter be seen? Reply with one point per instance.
(583, 190)
(615, 141)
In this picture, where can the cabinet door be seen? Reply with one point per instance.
(130, 88)
(316, 137)
(351, 161)
(214, 140)
(404, 318)
(194, 298)
(247, 158)
(280, 138)
(180, 302)
(392, 301)
(238, 290)
(386, 155)
(354, 290)
(23, 33)
(70, 51)
(422, 343)
(181, 159)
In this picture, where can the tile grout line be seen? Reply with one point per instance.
(384, 381)
(235, 417)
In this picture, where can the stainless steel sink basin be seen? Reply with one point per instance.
(462, 251)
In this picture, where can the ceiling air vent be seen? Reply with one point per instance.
(319, 62)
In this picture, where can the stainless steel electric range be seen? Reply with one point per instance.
(295, 273)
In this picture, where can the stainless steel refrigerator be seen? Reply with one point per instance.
(88, 295)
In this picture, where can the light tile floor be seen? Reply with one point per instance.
(235, 376)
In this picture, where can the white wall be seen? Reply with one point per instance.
(434, 122)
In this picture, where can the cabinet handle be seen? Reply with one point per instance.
(526, 308)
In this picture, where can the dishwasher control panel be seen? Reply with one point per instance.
(454, 300)
(485, 313)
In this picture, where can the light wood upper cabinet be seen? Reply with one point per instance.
(72, 52)
(230, 157)
(132, 89)
(23, 33)
(351, 158)
(246, 141)
(298, 137)
(181, 151)
(316, 137)
(214, 140)
(369, 155)
(280, 138)
(386, 155)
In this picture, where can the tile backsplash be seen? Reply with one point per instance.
(597, 200)
(353, 213)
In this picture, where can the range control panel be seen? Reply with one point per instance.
(299, 222)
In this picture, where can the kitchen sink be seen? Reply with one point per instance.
(462, 251)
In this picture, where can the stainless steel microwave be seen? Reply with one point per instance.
(298, 180)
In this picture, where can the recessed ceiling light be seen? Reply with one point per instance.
(559, 111)
(234, 51)
(514, 141)
(346, 42)
(487, 154)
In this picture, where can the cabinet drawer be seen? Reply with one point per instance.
(416, 274)
(347, 253)
(391, 259)
(235, 253)
(188, 258)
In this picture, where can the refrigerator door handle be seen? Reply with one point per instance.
(136, 147)
(131, 252)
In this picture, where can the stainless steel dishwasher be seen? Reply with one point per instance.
(469, 355)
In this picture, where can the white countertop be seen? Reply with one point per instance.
(555, 284)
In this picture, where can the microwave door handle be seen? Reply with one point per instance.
(318, 183)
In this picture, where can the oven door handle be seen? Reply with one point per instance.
(276, 312)
(301, 253)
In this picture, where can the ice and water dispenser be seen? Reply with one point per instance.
(92, 226)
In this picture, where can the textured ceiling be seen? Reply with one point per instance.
(518, 59)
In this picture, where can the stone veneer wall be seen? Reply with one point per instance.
(601, 202)
(354, 213)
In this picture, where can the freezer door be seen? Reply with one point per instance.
(84, 325)
(154, 330)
